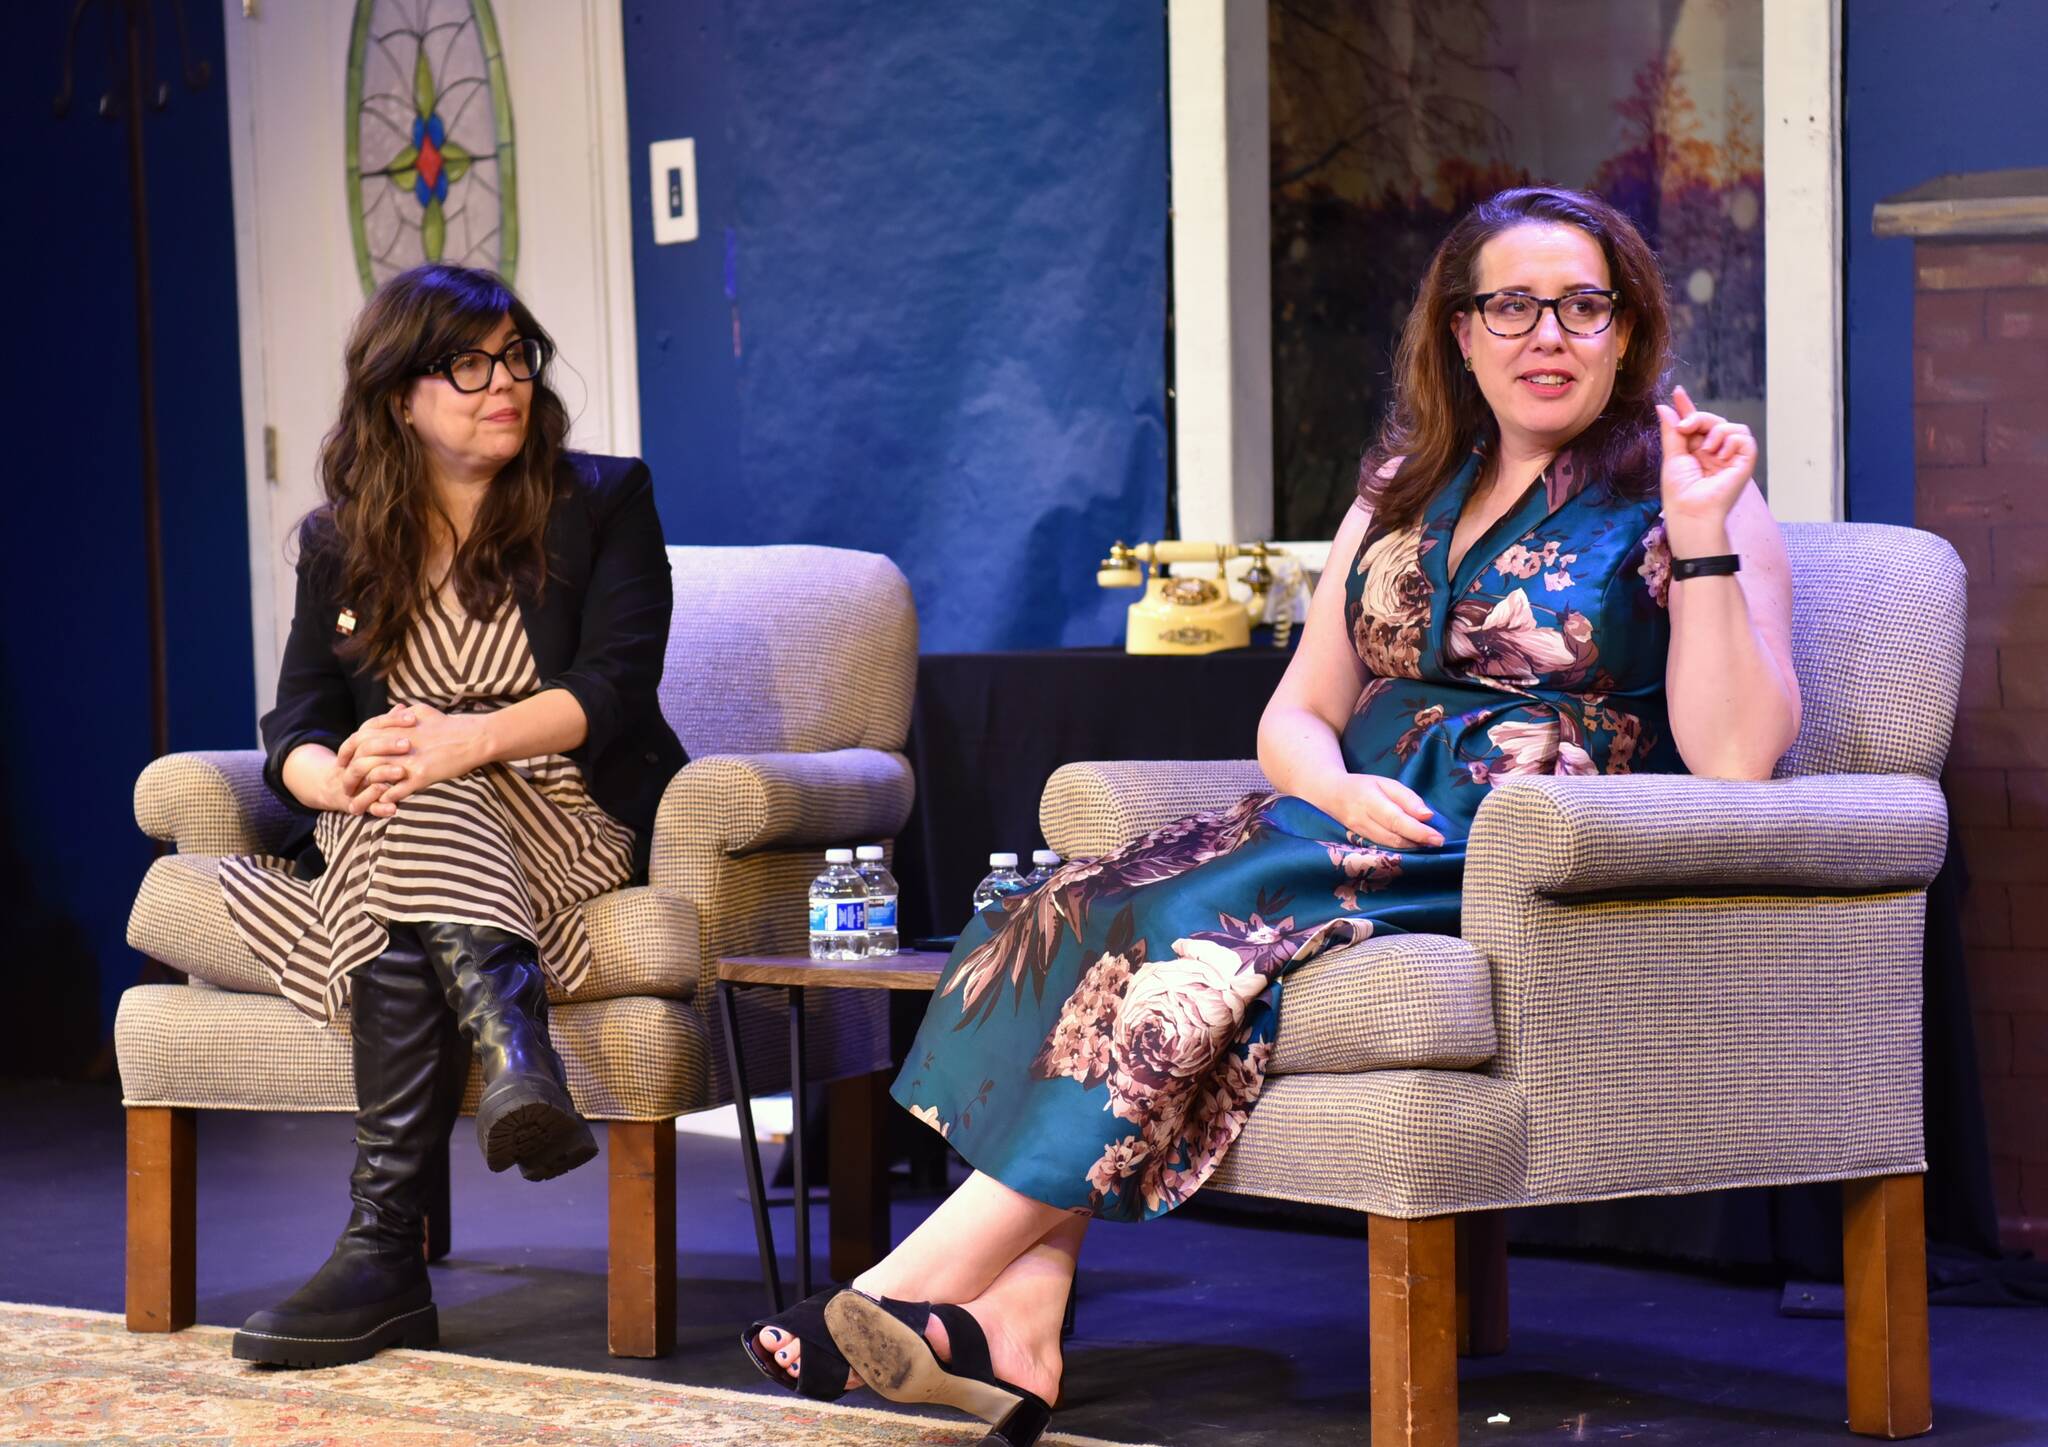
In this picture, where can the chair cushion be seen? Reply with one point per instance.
(643, 941)
(631, 1059)
(637, 1058)
(180, 919)
(1394, 1003)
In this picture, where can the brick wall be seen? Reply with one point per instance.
(1980, 414)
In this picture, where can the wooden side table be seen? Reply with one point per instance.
(910, 970)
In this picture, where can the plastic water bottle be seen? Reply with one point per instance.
(1043, 863)
(1002, 879)
(881, 887)
(839, 910)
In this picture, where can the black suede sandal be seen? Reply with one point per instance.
(822, 1374)
(894, 1359)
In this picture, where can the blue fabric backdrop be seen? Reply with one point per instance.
(926, 313)
(74, 634)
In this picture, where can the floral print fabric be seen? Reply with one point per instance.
(1099, 1042)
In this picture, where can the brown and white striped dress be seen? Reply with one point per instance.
(517, 846)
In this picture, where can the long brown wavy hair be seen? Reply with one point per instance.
(377, 517)
(1438, 415)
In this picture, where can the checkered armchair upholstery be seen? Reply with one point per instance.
(788, 756)
(1665, 984)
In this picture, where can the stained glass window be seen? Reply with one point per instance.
(431, 172)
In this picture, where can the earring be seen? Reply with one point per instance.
(1468, 361)
(408, 417)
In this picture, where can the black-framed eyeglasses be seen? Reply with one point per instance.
(1516, 313)
(470, 370)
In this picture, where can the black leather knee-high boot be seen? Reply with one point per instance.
(410, 1067)
(494, 984)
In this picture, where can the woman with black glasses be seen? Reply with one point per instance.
(466, 720)
(1550, 569)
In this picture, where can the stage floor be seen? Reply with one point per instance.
(1196, 1330)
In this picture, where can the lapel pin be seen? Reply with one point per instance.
(346, 623)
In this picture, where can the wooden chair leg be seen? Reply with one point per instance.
(1482, 1284)
(860, 1173)
(440, 1230)
(1884, 1278)
(1413, 1317)
(162, 1154)
(641, 1311)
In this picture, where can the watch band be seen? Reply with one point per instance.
(1717, 566)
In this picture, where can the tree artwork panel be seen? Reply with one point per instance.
(1390, 118)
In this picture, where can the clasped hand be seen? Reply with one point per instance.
(401, 752)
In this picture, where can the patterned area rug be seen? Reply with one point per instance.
(79, 1376)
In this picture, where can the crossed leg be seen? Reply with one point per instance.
(1009, 1260)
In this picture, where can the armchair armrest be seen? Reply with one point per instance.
(1096, 808)
(212, 803)
(1704, 983)
(743, 803)
(1675, 834)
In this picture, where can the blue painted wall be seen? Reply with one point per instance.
(74, 648)
(926, 313)
(1930, 88)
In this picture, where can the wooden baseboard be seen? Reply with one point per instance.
(2024, 1233)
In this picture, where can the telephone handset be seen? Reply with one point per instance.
(1191, 615)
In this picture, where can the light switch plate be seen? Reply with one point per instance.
(672, 171)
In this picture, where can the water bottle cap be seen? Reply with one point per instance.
(1002, 861)
(839, 856)
(1044, 856)
(869, 851)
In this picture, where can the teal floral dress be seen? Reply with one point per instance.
(1098, 1042)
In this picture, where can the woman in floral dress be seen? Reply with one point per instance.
(1548, 571)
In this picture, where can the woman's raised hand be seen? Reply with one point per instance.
(1386, 811)
(1708, 461)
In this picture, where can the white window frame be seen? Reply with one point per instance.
(1222, 280)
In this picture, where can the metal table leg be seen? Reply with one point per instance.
(750, 1151)
(799, 1179)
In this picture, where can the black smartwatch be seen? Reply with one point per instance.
(1717, 566)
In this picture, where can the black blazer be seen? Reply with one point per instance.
(600, 630)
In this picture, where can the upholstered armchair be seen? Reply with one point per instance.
(1664, 985)
(788, 678)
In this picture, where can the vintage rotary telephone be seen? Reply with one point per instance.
(1194, 615)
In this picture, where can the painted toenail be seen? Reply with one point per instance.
(774, 1334)
(782, 1356)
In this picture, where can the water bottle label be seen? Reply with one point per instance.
(882, 913)
(838, 916)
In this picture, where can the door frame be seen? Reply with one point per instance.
(616, 318)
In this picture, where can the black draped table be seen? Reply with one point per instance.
(988, 729)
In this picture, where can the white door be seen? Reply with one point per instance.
(558, 91)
